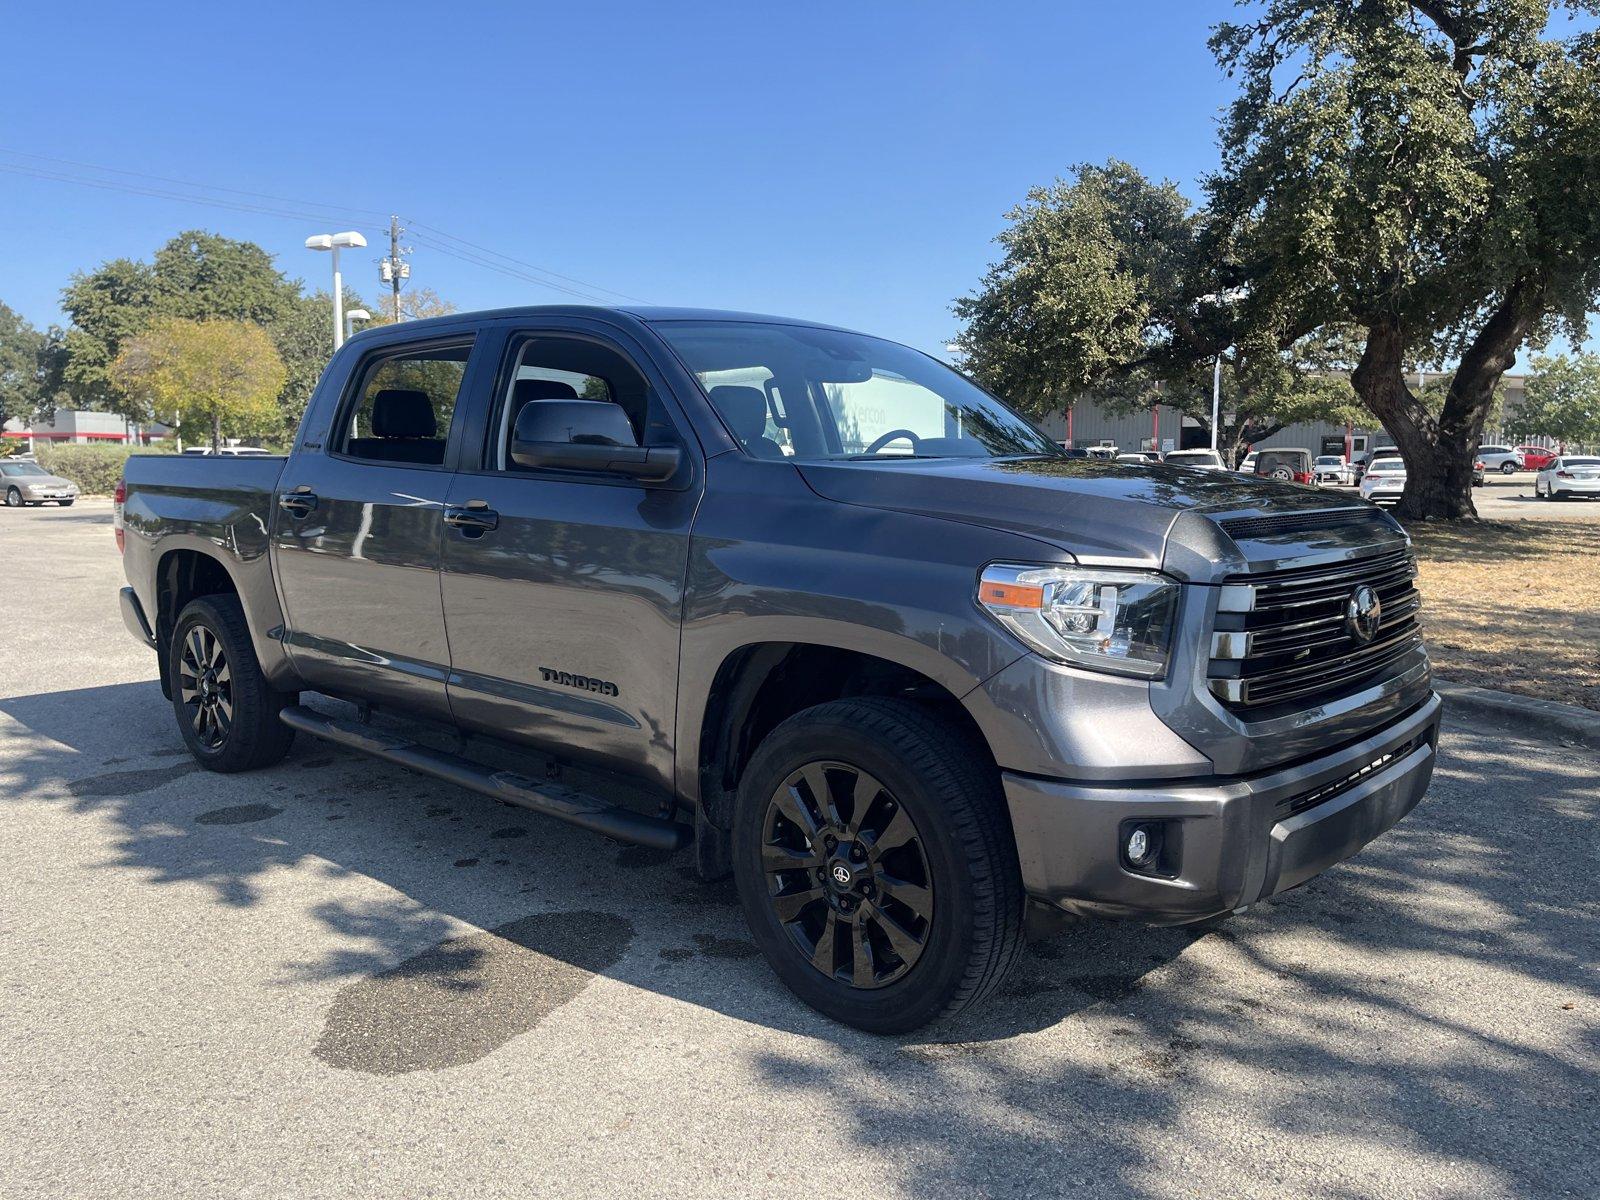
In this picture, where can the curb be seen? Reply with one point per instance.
(1564, 722)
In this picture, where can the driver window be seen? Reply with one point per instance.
(568, 368)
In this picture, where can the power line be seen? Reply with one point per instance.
(288, 208)
(362, 214)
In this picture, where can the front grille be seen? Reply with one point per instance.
(1284, 639)
(1305, 800)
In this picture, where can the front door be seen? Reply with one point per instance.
(358, 529)
(564, 616)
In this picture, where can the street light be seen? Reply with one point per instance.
(336, 242)
(350, 319)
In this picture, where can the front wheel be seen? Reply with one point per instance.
(876, 865)
(13, 498)
(64, 503)
(227, 712)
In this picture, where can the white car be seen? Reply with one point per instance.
(1332, 468)
(1569, 475)
(1505, 459)
(1248, 465)
(1138, 456)
(1385, 479)
(1200, 460)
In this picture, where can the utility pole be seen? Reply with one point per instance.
(395, 269)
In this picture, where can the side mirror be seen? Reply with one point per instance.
(586, 435)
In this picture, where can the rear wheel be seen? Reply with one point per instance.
(227, 712)
(875, 864)
(1508, 467)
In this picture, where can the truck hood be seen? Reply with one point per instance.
(1109, 513)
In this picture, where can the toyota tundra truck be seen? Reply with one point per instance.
(843, 622)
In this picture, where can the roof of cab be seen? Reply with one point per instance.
(648, 313)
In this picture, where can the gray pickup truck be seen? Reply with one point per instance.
(848, 625)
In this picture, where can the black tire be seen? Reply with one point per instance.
(64, 503)
(13, 498)
(229, 721)
(1508, 467)
(931, 772)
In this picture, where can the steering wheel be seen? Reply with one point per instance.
(894, 435)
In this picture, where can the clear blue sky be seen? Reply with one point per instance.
(846, 162)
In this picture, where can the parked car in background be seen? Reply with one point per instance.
(1247, 465)
(1332, 468)
(1202, 460)
(1479, 471)
(1102, 451)
(1073, 451)
(1567, 476)
(1385, 478)
(1537, 458)
(1291, 465)
(1504, 459)
(1138, 456)
(27, 483)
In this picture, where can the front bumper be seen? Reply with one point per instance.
(1232, 843)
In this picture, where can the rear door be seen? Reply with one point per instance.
(358, 527)
(563, 600)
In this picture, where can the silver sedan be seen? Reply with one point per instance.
(29, 483)
(1569, 475)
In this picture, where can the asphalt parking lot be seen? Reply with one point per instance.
(332, 978)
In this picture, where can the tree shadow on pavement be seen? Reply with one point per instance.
(1431, 1002)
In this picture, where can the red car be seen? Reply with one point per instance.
(1537, 458)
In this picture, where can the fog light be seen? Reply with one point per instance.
(1138, 847)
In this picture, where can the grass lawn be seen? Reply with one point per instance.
(1514, 605)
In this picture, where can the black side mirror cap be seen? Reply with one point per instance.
(587, 435)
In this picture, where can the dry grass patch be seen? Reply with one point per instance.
(1514, 605)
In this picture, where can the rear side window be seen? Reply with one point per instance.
(404, 405)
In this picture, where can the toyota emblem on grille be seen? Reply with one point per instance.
(1362, 613)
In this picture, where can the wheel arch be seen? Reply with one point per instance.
(185, 573)
(759, 684)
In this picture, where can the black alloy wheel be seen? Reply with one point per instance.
(205, 685)
(847, 875)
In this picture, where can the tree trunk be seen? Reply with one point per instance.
(1439, 453)
(216, 432)
(1438, 472)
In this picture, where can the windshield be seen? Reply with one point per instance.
(1327, 461)
(794, 391)
(25, 469)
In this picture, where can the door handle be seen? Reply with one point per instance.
(471, 521)
(297, 504)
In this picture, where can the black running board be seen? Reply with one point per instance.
(552, 799)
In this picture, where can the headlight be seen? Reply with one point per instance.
(1105, 620)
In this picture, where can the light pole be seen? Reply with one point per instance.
(336, 242)
(350, 319)
(1216, 400)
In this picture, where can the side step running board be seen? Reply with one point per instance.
(552, 799)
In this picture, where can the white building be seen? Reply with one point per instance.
(84, 427)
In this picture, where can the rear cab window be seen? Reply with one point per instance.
(404, 405)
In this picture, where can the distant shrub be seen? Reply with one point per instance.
(95, 469)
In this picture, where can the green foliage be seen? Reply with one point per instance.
(196, 276)
(222, 377)
(1427, 171)
(1563, 399)
(1111, 283)
(30, 367)
(95, 469)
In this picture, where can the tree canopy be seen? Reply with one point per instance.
(1563, 399)
(1428, 172)
(1109, 283)
(30, 368)
(222, 376)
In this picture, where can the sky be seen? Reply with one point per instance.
(849, 163)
